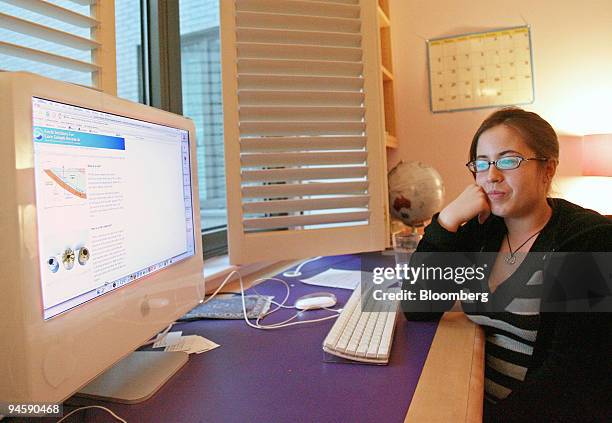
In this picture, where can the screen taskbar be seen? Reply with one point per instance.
(112, 285)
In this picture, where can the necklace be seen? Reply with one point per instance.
(511, 258)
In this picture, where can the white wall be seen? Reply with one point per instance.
(572, 55)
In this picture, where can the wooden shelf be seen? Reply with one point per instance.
(391, 141)
(383, 19)
(387, 76)
(386, 71)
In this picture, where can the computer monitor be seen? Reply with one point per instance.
(101, 245)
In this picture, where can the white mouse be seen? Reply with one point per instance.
(315, 301)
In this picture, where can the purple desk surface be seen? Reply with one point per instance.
(281, 375)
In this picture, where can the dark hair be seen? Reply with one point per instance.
(535, 131)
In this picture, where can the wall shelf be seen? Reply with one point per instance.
(386, 67)
(391, 141)
(383, 19)
(387, 76)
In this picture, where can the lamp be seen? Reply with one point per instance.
(592, 188)
(597, 155)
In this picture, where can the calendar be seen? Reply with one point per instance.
(485, 69)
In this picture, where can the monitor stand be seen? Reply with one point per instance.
(135, 378)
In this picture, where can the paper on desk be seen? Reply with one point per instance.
(167, 339)
(192, 344)
(336, 278)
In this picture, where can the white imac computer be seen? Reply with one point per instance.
(100, 226)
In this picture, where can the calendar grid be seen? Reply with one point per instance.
(481, 70)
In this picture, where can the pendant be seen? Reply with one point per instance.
(510, 259)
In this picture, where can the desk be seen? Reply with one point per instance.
(281, 375)
(451, 386)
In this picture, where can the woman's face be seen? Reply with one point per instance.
(511, 193)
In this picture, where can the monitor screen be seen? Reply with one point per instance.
(105, 184)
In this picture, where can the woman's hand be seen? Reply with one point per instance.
(471, 202)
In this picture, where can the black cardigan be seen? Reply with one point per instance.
(571, 379)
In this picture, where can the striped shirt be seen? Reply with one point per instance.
(510, 335)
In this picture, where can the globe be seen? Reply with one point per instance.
(416, 192)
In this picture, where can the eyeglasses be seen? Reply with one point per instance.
(503, 163)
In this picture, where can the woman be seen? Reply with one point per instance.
(540, 366)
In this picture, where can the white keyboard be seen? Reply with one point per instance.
(363, 335)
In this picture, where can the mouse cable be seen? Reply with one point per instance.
(295, 273)
(92, 406)
(282, 304)
(277, 304)
(276, 325)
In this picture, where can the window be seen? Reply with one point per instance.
(201, 87)
(62, 39)
(130, 76)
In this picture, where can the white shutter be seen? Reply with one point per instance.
(77, 38)
(304, 149)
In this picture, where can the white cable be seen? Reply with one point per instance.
(227, 278)
(279, 305)
(295, 273)
(275, 325)
(91, 406)
(272, 325)
(282, 303)
(201, 295)
(257, 324)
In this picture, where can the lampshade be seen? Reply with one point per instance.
(597, 155)
(590, 192)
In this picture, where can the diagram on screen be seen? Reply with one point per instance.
(64, 186)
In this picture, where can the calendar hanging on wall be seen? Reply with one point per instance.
(484, 69)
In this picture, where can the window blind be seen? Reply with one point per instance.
(305, 157)
(71, 40)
